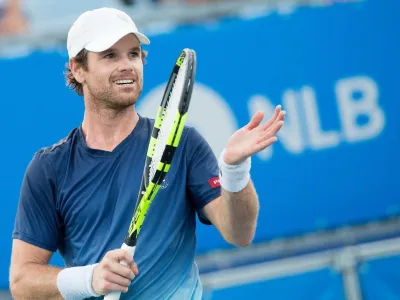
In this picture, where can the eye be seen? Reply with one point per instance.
(110, 55)
(135, 54)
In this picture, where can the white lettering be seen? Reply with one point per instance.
(317, 138)
(366, 105)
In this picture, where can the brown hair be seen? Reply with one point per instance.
(82, 60)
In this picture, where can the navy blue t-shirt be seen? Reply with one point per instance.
(80, 201)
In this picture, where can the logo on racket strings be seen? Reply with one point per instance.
(180, 60)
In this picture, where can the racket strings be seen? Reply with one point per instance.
(169, 119)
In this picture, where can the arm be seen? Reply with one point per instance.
(235, 212)
(30, 275)
(32, 278)
(235, 215)
(36, 221)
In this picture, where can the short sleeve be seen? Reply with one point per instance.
(203, 173)
(37, 220)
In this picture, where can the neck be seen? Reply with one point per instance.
(106, 128)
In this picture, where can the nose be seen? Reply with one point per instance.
(125, 65)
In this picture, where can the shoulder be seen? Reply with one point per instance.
(193, 138)
(196, 146)
(146, 124)
(58, 147)
(50, 158)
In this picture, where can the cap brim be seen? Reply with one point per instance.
(106, 41)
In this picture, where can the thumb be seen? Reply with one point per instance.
(255, 120)
(122, 255)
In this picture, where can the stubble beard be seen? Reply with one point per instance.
(112, 100)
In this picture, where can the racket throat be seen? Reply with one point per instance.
(131, 241)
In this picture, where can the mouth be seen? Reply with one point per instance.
(124, 82)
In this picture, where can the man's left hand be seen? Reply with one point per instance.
(254, 137)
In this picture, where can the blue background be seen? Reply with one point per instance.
(321, 284)
(239, 58)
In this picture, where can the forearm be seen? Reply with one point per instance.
(35, 281)
(238, 215)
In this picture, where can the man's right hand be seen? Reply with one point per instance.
(110, 275)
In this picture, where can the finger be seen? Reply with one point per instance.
(113, 287)
(118, 268)
(255, 120)
(282, 115)
(274, 129)
(135, 269)
(264, 144)
(116, 279)
(120, 255)
(273, 118)
(127, 257)
(279, 117)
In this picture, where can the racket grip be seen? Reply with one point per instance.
(116, 295)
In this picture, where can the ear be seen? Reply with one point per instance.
(77, 71)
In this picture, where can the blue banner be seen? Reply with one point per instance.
(333, 69)
(379, 278)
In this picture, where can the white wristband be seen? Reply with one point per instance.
(76, 283)
(234, 178)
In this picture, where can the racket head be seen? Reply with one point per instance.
(178, 90)
(166, 134)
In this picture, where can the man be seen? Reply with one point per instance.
(78, 196)
(12, 20)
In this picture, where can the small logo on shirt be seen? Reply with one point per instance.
(214, 182)
(164, 184)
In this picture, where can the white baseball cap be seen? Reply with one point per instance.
(97, 30)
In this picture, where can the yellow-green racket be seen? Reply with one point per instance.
(165, 138)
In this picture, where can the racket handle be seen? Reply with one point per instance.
(116, 295)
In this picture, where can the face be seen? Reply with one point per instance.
(114, 77)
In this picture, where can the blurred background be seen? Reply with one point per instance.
(329, 226)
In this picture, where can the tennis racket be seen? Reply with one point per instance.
(165, 137)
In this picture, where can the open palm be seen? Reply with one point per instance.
(254, 137)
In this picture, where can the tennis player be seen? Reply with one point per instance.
(79, 194)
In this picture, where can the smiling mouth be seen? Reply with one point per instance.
(124, 82)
